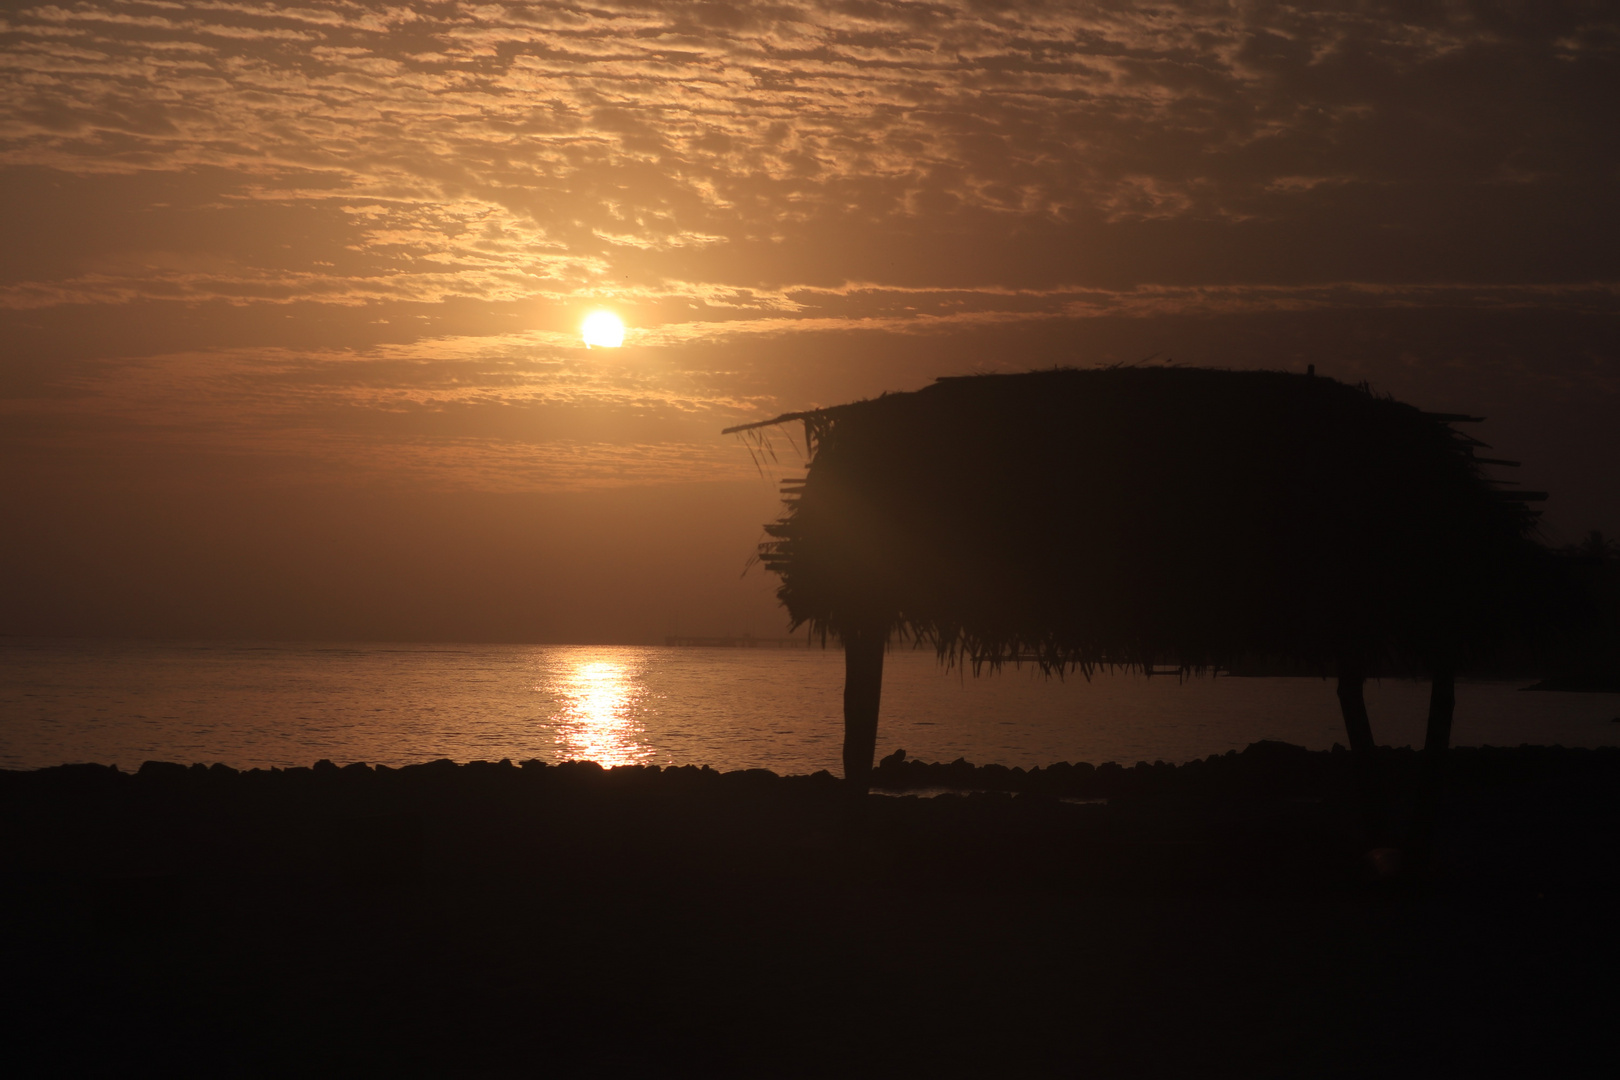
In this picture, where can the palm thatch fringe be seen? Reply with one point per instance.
(1134, 517)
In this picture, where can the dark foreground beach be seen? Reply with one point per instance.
(1217, 918)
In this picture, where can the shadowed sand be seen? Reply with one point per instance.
(493, 919)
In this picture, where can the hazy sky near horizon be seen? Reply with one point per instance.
(346, 247)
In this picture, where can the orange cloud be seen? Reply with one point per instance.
(198, 191)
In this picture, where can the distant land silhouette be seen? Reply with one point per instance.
(737, 641)
(1585, 655)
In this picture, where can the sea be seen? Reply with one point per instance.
(262, 705)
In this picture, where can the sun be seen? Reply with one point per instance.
(603, 329)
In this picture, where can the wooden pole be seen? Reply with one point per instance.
(863, 687)
(1353, 705)
(1442, 704)
(1363, 751)
(1436, 744)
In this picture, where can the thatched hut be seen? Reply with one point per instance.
(1128, 517)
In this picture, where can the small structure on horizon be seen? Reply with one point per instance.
(735, 641)
(1144, 517)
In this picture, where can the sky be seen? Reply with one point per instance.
(290, 296)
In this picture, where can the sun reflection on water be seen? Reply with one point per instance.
(598, 722)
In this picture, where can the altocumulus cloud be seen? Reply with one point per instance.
(371, 228)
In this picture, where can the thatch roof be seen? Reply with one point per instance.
(1132, 516)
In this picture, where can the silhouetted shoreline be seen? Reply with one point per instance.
(1218, 916)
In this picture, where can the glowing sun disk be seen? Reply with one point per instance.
(603, 329)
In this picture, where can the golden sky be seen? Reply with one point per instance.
(348, 245)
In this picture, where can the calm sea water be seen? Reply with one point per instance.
(263, 705)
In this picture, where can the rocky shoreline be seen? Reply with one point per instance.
(518, 919)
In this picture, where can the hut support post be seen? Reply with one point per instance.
(1363, 751)
(1353, 705)
(1436, 743)
(863, 687)
(1442, 704)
